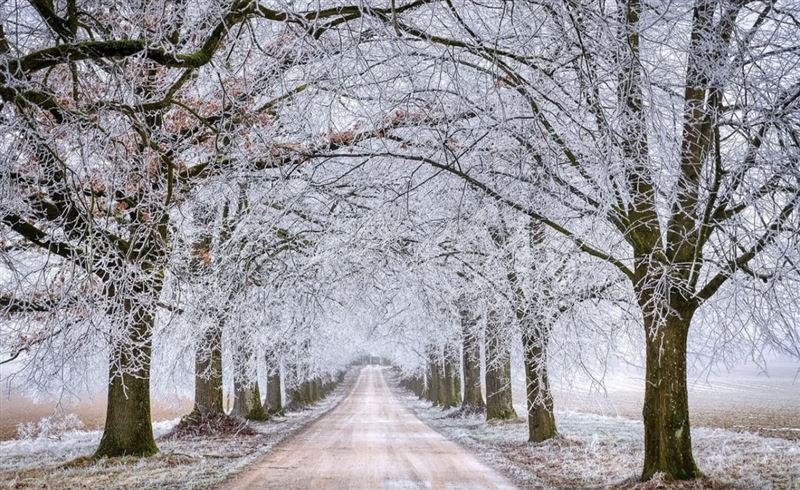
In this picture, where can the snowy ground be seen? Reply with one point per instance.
(197, 463)
(601, 451)
(744, 399)
(595, 451)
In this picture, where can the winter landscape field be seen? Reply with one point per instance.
(392, 244)
(593, 450)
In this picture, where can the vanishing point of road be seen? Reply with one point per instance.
(369, 441)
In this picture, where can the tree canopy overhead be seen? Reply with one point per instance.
(287, 186)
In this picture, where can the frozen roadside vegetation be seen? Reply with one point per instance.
(600, 451)
(201, 462)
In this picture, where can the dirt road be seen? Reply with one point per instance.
(369, 441)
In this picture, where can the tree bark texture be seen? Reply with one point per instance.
(499, 401)
(128, 428)
(473, 398)
(541, 421)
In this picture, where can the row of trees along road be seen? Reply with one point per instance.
(268, 178)
(665, 140)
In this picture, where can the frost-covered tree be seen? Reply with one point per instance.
(112, 114)
(274, 180)
(664, 134)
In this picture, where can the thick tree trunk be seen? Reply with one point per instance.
(247, 402)
(209, 400)
(128, 428)
(422, 386)
(208, 397)
(319, 391)
(473, 398)
(441, 398)
(452, 378)
(435, 393)
(310, 388)
(296, 389)
(668, 446)
(667, 434)
(499, 401)
(299, 396)
(273, 403)
(429, 388)
(541, 421)
(247, 397)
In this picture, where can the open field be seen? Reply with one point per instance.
(606, 451)
(15, 410)
(744, 399)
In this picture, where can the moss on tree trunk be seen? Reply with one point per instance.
(311, 391)
(437, 374)
(299, 396)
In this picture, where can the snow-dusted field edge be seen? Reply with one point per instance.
(597, 451)
(199, 463)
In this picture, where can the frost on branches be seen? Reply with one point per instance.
(249, 191)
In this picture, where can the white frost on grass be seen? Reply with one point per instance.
(596, 451)
(42, 451)
(200, 462)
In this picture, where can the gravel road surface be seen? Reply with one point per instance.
(369, 441)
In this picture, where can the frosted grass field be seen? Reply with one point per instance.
(744, 399)
(200, 462)
(604, 451)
